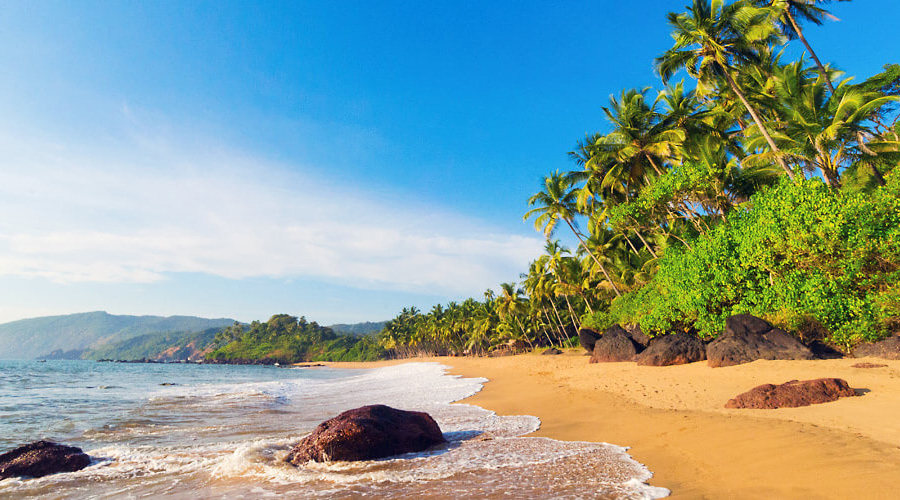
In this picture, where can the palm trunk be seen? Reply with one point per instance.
(653, 164)
(812, 52)
(628, 240)
(571, 312)
(762, 129)
(559, 318)
(550, 325)
(587, 303)
(638, 233)
(588, 250)
(524, 335)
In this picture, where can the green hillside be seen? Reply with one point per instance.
(358, 329)
(32, 338)
(169, 346)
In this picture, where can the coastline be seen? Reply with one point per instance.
(674, 421)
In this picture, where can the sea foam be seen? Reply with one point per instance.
(228, 439)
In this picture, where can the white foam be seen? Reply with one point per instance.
(486, 454)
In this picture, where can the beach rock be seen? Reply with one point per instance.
(638, 335)
(748, 338)
(587, 337)
(615, 345)
(42, 458)
(888, 348)
(552, 351)
(822, 350)
(368, 433)
(672, 349)
(793, 394)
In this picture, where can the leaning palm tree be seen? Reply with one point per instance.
(711, 40)
(557, 202)
(790, 12)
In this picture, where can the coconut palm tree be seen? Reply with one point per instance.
(641, 137)
(790, 12)
(711, 40)
(819, 129)
(510, 304)
(557, 202)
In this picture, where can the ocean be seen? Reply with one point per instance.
(211, 431)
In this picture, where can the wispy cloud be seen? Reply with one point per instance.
(146, 208)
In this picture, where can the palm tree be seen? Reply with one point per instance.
(711, 39)
(790, 11)
(640, 137)
(819, 129)
(557, 202)
(509, 304)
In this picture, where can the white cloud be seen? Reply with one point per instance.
(148, 209)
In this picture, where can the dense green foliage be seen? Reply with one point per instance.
(803, 252)
(768, 188)
(287, 339)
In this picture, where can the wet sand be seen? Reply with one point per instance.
(674, 421)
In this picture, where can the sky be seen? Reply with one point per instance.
(337, 160)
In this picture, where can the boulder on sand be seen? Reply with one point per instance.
(587, 337)
(42, 458)
(888, 348)
(638, 335)
(792, 394)
(615, 345)
(673, 349)
(748, 338)
(368, 433)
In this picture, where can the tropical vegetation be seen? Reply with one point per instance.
(756, 185)
(288, 339)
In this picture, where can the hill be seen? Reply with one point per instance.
(69, 336)
(169, 346)
(358, 329)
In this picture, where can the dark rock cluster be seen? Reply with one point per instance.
(615, 345)
(673, 349)
(748, 338)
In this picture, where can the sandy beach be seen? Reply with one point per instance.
(674, 421)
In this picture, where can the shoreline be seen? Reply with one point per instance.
(673, 420)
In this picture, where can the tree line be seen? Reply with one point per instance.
(760, 185)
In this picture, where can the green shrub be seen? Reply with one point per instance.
(803, 251)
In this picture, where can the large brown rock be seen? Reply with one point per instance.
(615, 345)
(42, 458)
(638, 335)
(587, 337)
(672, 349)
(748, 338)
(792, 394)
(888, 348)
(368, 433)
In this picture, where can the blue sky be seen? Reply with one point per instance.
(339, 160)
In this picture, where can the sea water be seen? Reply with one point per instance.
(211, 431)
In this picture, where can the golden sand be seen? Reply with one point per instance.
(674, 420)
